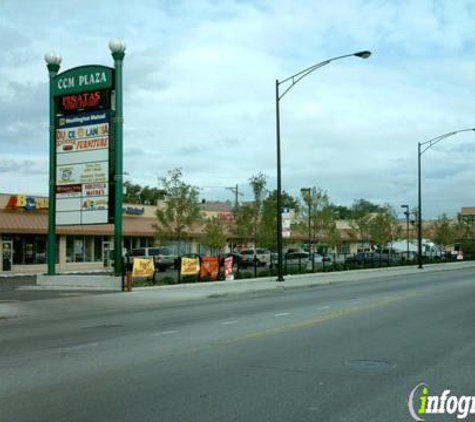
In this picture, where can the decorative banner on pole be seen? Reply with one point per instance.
(143, 268)
(286, 220)
(190, 266)
(228, 268)
(210, 267)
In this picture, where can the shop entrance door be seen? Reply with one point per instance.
(7, 247)
(106, 258)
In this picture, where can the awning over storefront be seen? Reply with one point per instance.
(17, 222)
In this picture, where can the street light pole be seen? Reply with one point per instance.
(294, 79)
(421, 148)
(406, 213)
(117, 49)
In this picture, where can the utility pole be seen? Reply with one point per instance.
(235, 190)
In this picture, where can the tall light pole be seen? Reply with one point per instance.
(117, 49)
(53, 62)
(406, 213)
(421, 148)
(292, 80)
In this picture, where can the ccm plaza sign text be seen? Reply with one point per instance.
(84, 78)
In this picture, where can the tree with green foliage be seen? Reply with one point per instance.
(444, 231)
(268, 226)
(465, 234)
(243, 222)
(341, 212)
(214, 236)
(258, 184)
(333, 236)
(181, 210)
(136, 194)
(321, 218)
(362, 211)
(383, 227)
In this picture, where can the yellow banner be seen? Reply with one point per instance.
(190, 266)
(143, 267)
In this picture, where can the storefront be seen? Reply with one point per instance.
(23, 237)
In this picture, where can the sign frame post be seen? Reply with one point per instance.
(53, 62)
(118, 53)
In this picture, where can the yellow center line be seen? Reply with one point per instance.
(318, 320)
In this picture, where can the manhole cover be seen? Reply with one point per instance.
(369, 365)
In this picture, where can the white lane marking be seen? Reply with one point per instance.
(229, 322)
(80, 346)
(165, 333)
(282, 314)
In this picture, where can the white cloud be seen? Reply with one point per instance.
(199, 92)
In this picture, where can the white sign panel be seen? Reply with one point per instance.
(286, 222)
(82, 168)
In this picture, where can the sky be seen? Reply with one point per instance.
(199, 93)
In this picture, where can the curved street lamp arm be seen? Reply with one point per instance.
(431, 142)
(300, 75)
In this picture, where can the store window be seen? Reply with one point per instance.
(29, 249)
(84, 248)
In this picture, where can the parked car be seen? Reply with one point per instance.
(163, 257)
(297, 260)
(362, 258)
(251, 257)
(319, 260)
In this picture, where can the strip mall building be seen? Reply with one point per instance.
(24, 230)
(24, 233)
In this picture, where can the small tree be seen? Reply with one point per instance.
(322, 216)
(136, 194)
(268, 224)
(361, 213)
(258, 185)
(243, 223)
(444, 231)
(182, 209)
(383, 227)
(214, 236)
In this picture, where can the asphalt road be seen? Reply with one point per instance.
(345, 352)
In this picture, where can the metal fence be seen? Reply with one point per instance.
(304, 265)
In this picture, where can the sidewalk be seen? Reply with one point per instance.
(162, 295)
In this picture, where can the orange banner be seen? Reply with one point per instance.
(209, 267)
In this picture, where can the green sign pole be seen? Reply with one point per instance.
(53, 62)
(118, 53)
